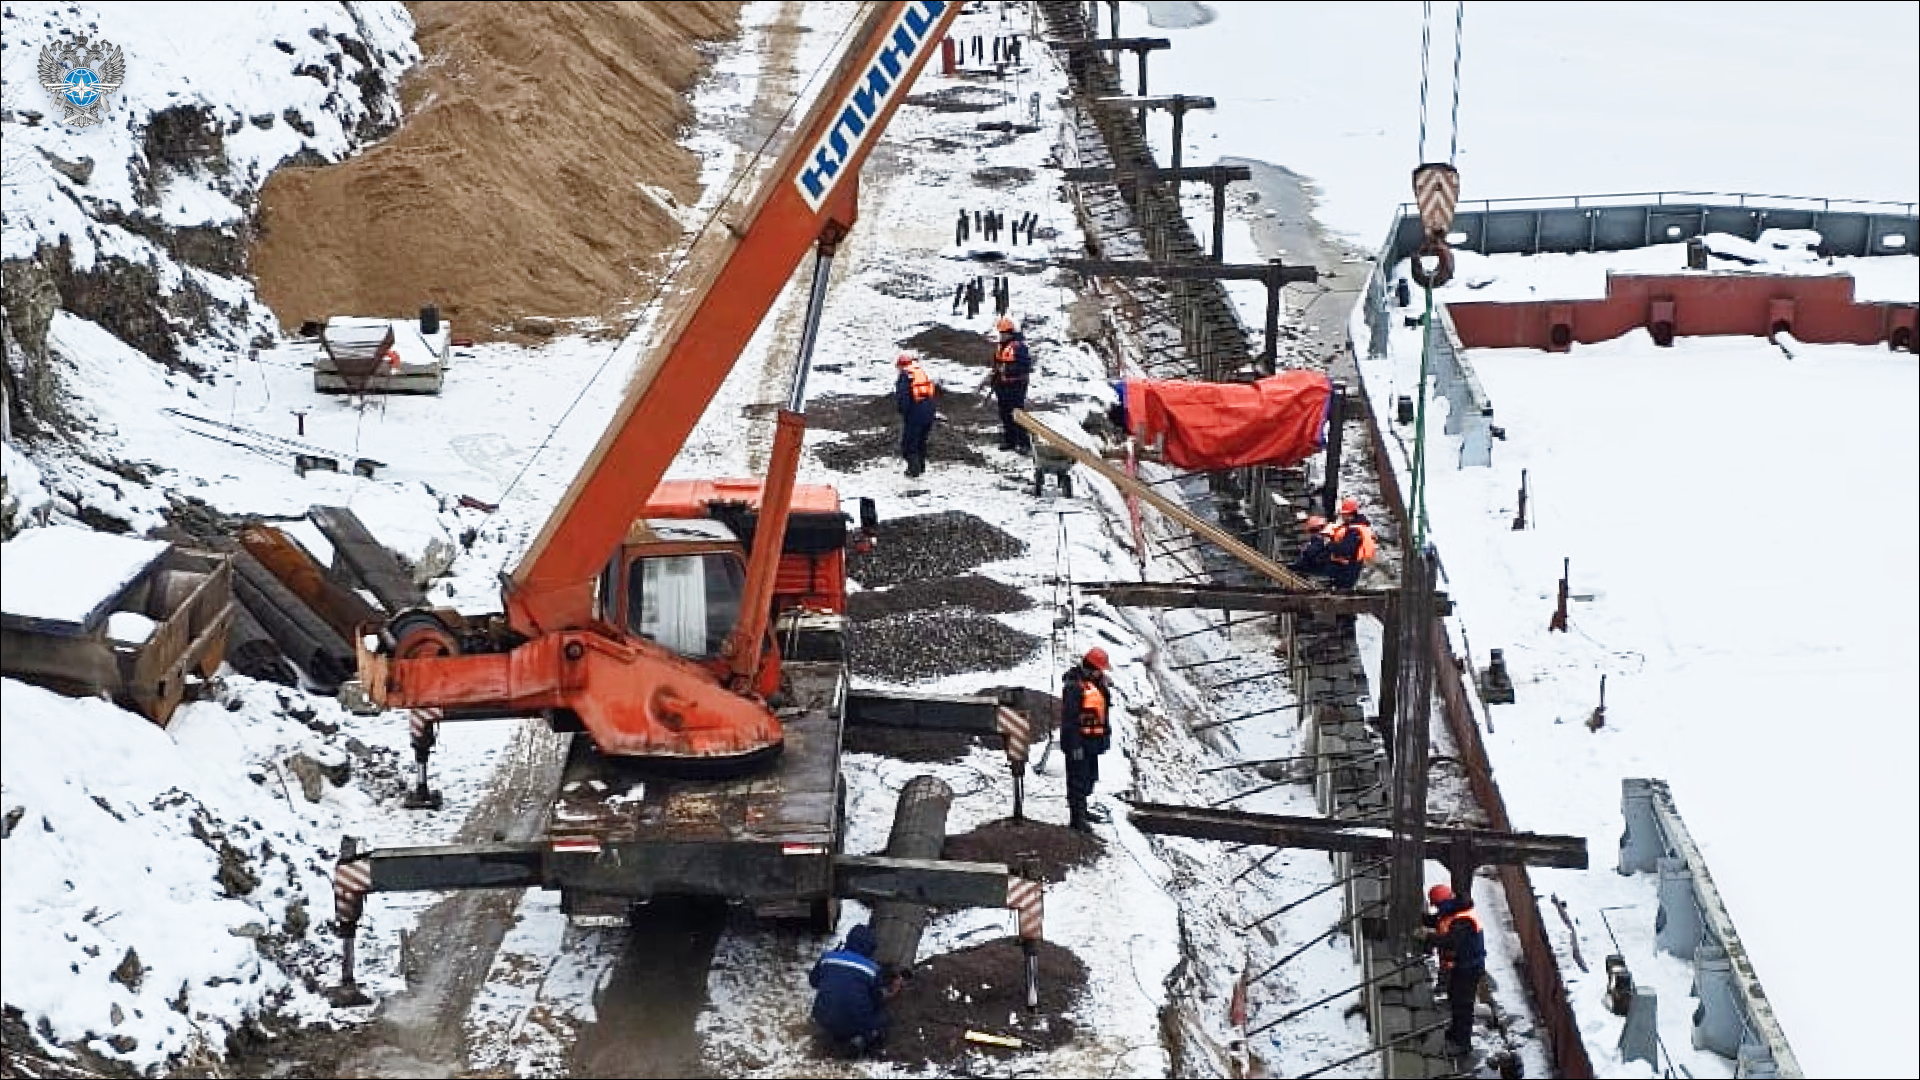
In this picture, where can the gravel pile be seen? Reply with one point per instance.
(942, 342)
(934, 644)
(1002, 176)
(962, 99)
(982, 594)
(924, 547)
(871, 428)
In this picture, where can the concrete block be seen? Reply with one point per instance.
(1640, 1035)
(1677, 927)
(1640, 844)
(1718, 1024)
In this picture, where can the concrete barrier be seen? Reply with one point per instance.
(1732, 1016)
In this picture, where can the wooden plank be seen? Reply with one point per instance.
(1181, 102)
(1357, 837)
(1207, 173)
(1131, 44)
(1236, 598)
(1167, 506)
(1273, 273)
(370, 562)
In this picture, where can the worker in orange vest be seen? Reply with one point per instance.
(1085, 702)
(913, 392)
(1012, 366)
(1353, 545)
(1312, 559)
(1461, 944)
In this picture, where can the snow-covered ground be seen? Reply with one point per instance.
(123, 827)
(1693, 491)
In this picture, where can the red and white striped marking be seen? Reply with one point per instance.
(1023, 896)
(420, 723)
(351, 882)
(1017, 732)
(1436, 188)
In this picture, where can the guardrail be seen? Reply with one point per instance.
(1734, 1017)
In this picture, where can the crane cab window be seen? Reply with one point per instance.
(687, 603)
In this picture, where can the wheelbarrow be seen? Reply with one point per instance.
(1049, 460)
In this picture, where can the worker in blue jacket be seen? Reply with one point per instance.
(913, 392)
(1012, 368)
(1455, 934)
(851, 993)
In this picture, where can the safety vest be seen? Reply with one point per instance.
(1444, 924)
(1093, 710)
(918, 384)
(1003, 364)
(1367, 545)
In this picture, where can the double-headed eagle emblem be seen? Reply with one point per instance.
(79, 76)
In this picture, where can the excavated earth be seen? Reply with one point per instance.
(537, 176)
(982, 988)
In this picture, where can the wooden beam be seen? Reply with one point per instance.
(1131, 44)
(1482, 846)
(877, 878)
(1180, 102)
(1271, 272)
(1235, 598)
(1145, 493)
(366, 559)
(1213, 174)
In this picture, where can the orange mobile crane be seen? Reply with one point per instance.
(645, 614)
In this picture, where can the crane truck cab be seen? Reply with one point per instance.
(679, 579)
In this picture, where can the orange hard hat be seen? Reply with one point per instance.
(904, 360)
(1439, 894)
(1097, 659)
(1005, 325)
(1315, 523)
(1349, 505)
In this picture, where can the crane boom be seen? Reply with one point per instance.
(810, 196)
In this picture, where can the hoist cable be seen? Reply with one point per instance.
(1459, 37)
(1426, 46)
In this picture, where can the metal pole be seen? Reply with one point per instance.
(1179, 124)
(1219, 218)
(1336, 434)
(1268, 354)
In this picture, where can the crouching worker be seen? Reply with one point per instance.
(851, 994)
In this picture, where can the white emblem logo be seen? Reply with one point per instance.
(80, 76)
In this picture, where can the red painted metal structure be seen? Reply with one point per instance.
(1813, 308)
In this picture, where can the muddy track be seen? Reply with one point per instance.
(421, 1031)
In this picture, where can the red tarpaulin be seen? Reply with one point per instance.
(1278, 420)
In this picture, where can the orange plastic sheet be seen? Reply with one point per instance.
(1278, 420)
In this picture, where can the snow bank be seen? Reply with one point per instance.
(158, 882)
(64, 574)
